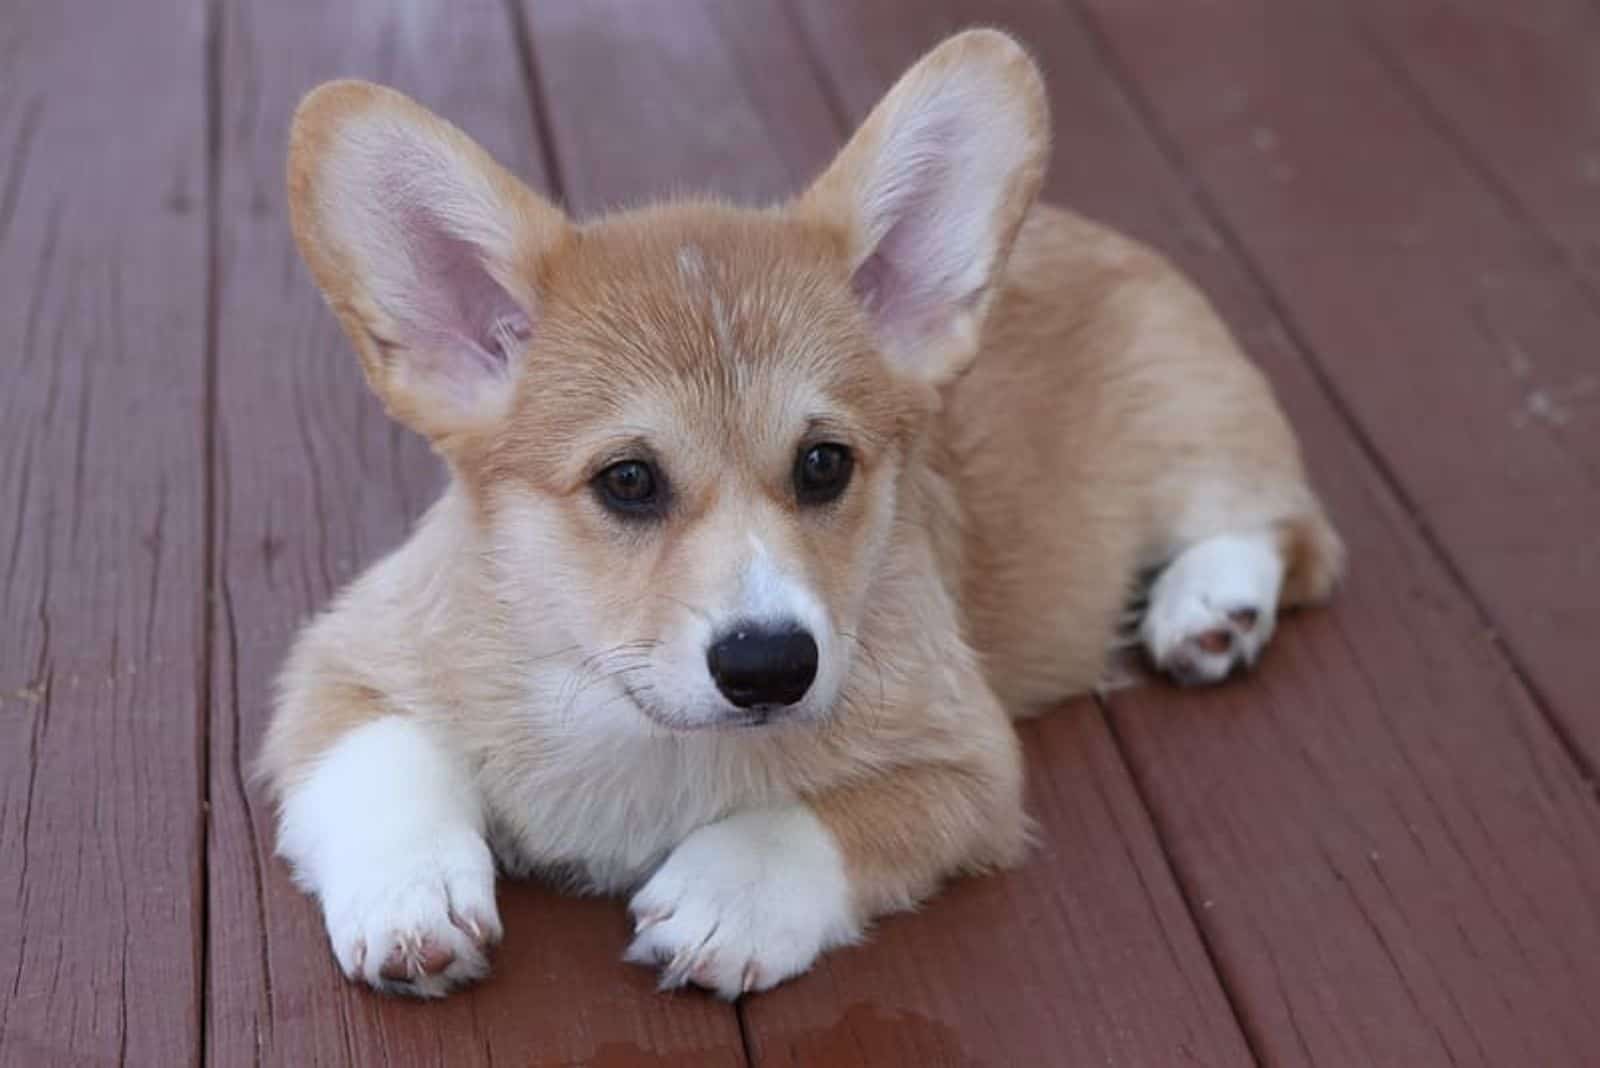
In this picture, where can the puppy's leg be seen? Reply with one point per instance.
(386, 829)
(1214, 606)
(749, 901)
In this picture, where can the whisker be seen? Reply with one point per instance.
(601, 666)
(551, 656)
(701, 613)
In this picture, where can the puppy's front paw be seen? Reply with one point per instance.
(1213, 608)
(745, 903)
(417, 923)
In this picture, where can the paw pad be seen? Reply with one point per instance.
(410, 961)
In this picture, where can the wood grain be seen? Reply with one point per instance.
(1515, 90)
(1087, 955)
(1390, 854)
(314, 484)
(710, 97)
(102, 532)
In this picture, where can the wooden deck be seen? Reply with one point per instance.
(1383, 848)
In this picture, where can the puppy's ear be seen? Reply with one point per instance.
(426, 249)
(931, 191)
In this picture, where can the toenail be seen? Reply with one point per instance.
(470, 926)
(395, 967)
(705, 972)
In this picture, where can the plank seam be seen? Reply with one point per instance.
(831, 96)
(11, 186)
(747, 1044)
(533, 87)
(1136, 778)
(1209, 210)
(208, 502)
(225, 596)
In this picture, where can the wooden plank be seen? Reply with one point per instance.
(102, 531)
(1391, 857)
(699, 98)
(1084, 956)
(1401, 270)
(314, 483)
(1516, 89)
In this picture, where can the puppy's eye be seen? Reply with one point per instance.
(631, 488)
(822, 472)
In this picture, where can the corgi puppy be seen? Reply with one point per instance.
(762, 526)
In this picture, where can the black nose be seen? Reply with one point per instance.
(757, 665)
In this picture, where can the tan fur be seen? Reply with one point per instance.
(1110, 421)
(1101, 420)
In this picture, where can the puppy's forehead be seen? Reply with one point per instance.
(740, 322)
(704, 291)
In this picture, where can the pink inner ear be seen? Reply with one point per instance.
(901, 284)
(458, 324)
(912, 280)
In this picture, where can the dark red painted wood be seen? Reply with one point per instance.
(314, 484)
(1515, 88)
(102, 532)
(705, 97)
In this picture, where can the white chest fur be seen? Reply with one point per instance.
(593, 794)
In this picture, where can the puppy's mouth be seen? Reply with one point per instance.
(728, 719)
(760, 716)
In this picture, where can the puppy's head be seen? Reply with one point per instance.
(683, 427)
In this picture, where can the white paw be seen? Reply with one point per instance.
(745, 903)
(387, 831)
(1213, 608)
(420, 923)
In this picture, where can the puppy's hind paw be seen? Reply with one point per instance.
(1213, 608)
